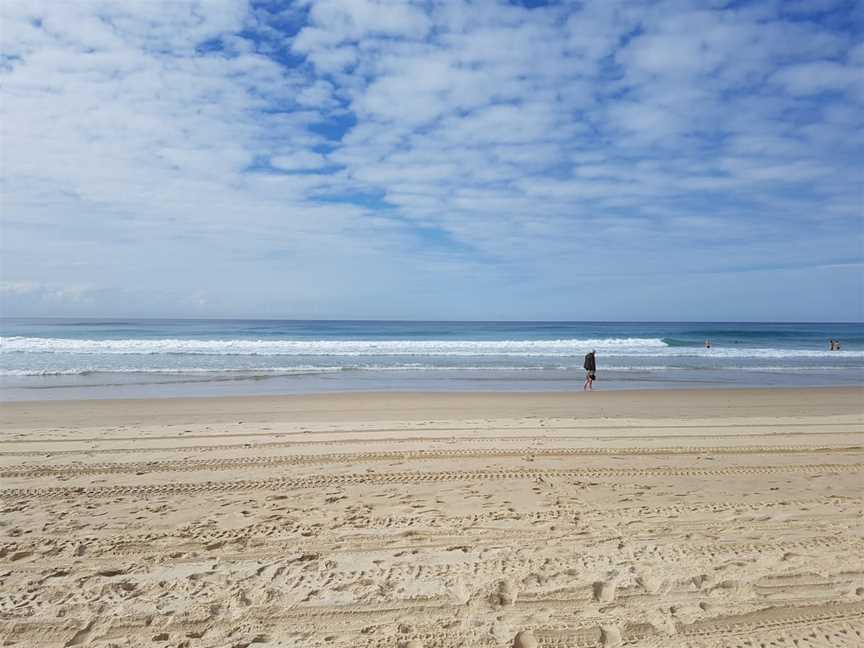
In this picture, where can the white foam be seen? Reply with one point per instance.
(326, 347)
(403, 368)
(84, 371)
(607, 348)
(296, 369)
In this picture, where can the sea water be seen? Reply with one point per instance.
(88, 358)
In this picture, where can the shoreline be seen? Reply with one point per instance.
(132, 386)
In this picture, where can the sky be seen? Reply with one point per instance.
(441, 159)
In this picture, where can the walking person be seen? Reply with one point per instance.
(590, 366)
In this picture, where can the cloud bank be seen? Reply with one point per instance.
(360, 158)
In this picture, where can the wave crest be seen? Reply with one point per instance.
(324, 347)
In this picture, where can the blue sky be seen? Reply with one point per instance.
(695, 160)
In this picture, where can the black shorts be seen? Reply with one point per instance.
(592, 375)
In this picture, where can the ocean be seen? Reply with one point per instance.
(118, 358)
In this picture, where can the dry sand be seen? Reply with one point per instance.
(667, 519)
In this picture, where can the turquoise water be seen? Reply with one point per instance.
(67, 358)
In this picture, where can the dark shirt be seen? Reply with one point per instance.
(590, 363)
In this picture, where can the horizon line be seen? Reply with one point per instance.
(419, 321)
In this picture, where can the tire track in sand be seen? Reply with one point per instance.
(326, 481)
(190, 465)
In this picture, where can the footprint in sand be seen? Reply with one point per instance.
(604, 592)
(650, 583)
(610, 636)
(505, 594)
(525, 639)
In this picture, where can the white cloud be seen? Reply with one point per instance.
(819, 76)
(299, 161)
(352, 20)
(19, 287)
(50, 292)
(172, 146)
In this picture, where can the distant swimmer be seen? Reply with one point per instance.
(707, 344)
(590, 366)
(834, 345)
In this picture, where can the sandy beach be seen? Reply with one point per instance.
(666, 519)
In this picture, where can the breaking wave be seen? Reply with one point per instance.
(571, 348)
(324, 347)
